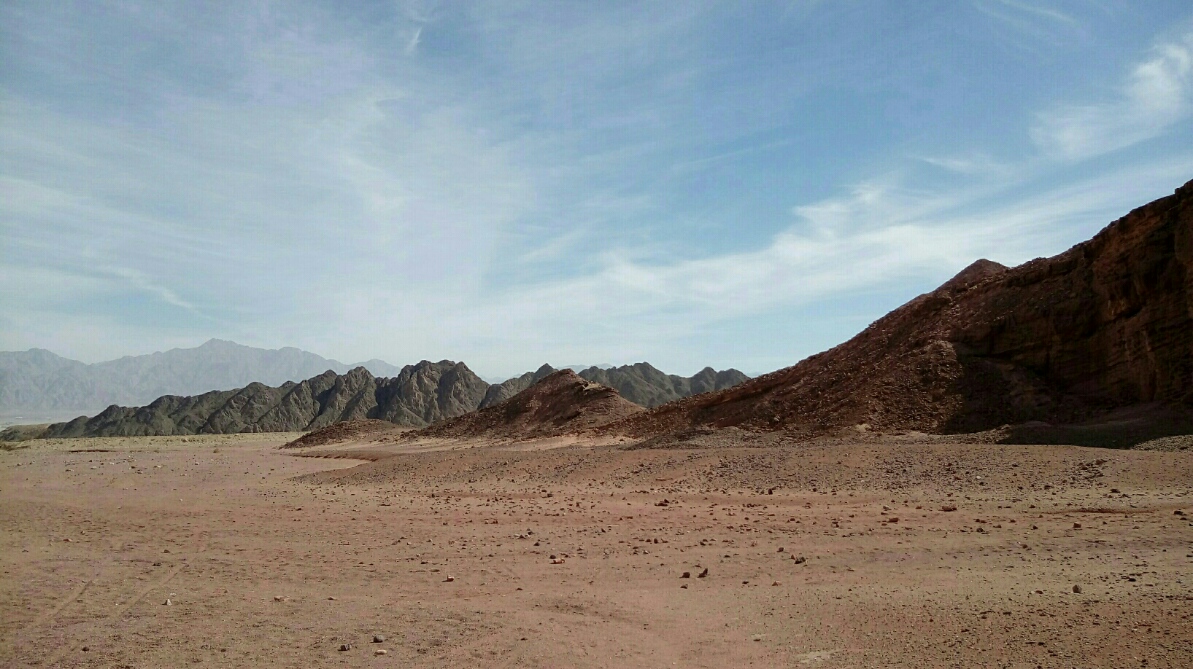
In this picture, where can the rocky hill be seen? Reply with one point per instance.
(639, 383)
(561, 402)
(642, 384)
(1105, 326)
(419, 395)
(40, 381)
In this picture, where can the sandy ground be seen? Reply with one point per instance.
(225, 551)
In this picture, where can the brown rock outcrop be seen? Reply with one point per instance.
(1106, 325)
(560, 403)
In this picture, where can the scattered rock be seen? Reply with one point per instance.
(686, 574)
(703, 573)
(801, 559)
(380, 651)
(345, 647)
(948, 507)
(1077, 589)
(378, 638)
(449, 579)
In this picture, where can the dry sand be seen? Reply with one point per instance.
(269, 558)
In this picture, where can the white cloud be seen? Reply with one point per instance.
(1156, 95)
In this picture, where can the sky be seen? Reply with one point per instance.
(511, 183)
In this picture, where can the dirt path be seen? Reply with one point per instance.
(817, 556)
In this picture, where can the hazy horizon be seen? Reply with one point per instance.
(688, 184)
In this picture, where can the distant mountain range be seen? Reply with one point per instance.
(418, 395)
(40, 381)
(286, 390)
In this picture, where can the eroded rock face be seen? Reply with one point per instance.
(500, 392)
(1105, 325)
(421, 394)
(643, 384)
(640, 383)
(561, 402)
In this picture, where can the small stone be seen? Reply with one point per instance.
(801, 559)
(279, 598)
(703, 573)
(345, 647)
(1076, 526)
(167, 603)
(948, 507)
(87, 648)
(686, 574)
(780, 549)
(378, 638)
(380, 651)
(684, 586)
(775, 583)
(1178, 512)
(449, 579)
(1077, 589)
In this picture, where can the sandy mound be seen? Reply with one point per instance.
(1103, 326)
(353, 430)
(560, 403)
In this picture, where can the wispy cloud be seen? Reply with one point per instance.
(505, 184)
(1037, 22)
(1156, 95)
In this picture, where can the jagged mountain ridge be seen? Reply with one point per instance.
(38, 380)
(640, 383)
(1104, 327)
(419, 395)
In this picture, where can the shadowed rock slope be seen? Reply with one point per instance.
(639, 383)
(561, 402)
(1106, 325)
(421, 394)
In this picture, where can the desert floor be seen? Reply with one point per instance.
(226, 551)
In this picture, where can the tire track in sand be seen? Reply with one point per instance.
(200, 545)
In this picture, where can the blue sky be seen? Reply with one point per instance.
(508, 183)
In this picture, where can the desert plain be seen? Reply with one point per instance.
(718, 551)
